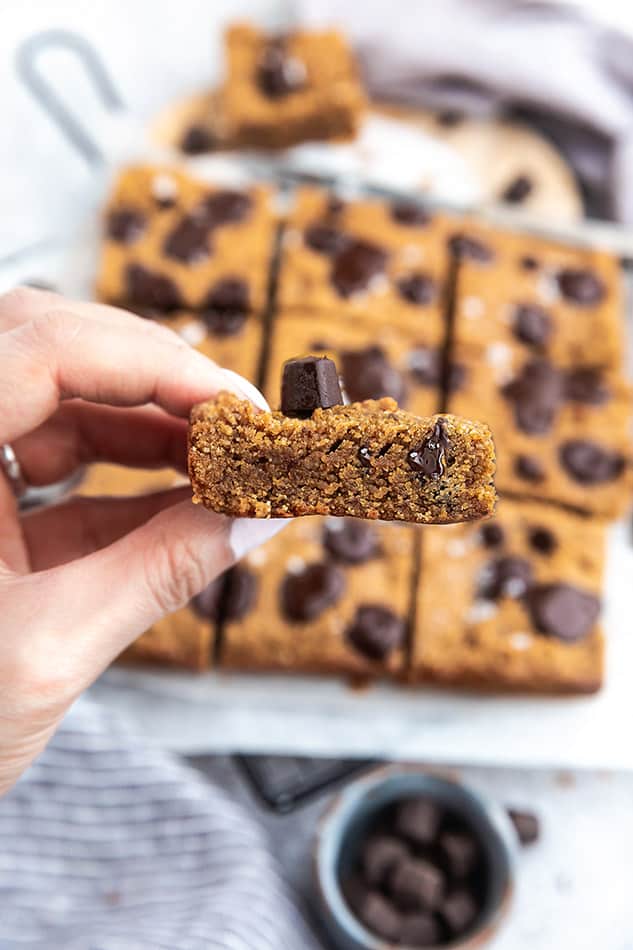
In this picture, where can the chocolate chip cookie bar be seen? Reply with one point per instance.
(174, 242)
(288, 88)
(386, 264)
(319, 457)
(324, 596)
(514, 602)
(561, 434)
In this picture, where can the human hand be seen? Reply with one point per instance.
(79, 581)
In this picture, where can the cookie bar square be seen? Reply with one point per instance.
(384, 263)
(512, 603)
(327, 596)
(182, 639)
(234, 341)
(287, 88)
(174, 242)
(561, 434)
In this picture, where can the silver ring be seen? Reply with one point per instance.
(13, 470)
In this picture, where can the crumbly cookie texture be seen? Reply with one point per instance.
(367, 460)
(512, 603)
(284, 89)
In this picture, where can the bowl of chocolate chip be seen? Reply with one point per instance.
(406, 859)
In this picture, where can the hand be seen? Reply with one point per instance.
(81, 580)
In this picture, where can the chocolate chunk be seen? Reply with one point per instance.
(376, 631)
(581, 287)
(125, 225)
(226, 307)
(491, 534)
(415, 884)
(518, 190)
(224, 207)
(464, 247)
(146, 288)
(356, 266)
(368, 374)
(429, 459)
(589, 463)
(417, 288)
(420, 930)
(240, 592)
(505, 577)
(380, 855)
(405, 212)
(325, 239)
(527, 262)
(459, 911)
(364, 456)
(189, 241)
(310, 591)
(426, 365)
(526, 824)
(197, 139)
(207, 603)
(351, 540)
(542, 540)
(308, 384)
(588, 386)
(418, 820)
(529, 468)
(379, 915)
(536, 393)
(279, 73)
(459, 851)
(532, 324)
(562, 611)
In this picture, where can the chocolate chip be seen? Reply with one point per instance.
(426, 365)
(418, 820)
(207, 603)
(310, 591)
(125, 225)
(325, 239)
(368, 374)
(518, 190)
(492, 535)
(536, 393)
(429, 459)
(542, 540)
(405, 212)
(505, 577)
(239, 595)
(335, 205)
(364, 456)
(278, 73)
(458, 911)
(587, 385)
(420, 930)
(146, 288)
(226, 307)
(380, 855)
(308, 384)
(351, 541)
(527, 262)
(532, 324)
(375, 631)
(415, 884)
(529, 468)
(464, 247)
(379, 915)
(589, 463)
(224, 207)
(355, 267)
(581, 287)
(526, 824)
(417, 288)
(197, 139)
(459, 851)
(189, 241)
(562, 611)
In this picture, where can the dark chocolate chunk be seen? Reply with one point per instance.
(532, 324)
(376, 631)
(197, 139)
(426, 365)
(581, 287)
(356, 266)
(517, 190)
(459, 911)
(459, 851)
(526, 824)
(416, 884)
(527, 262)
(420, 930)
(428, 460)
(542, 540)
(364, 456)
(278, 73)
(325, 238)
(368, 374)
(536, 394)
(417, 820)
(308, 592)
(240, 592)
(351, 540)
(491, 534)
(125, 225)
(207, 603)
(562, 611)
(417, 288)
(146, 288)
(505, 577)
(464, 247)
(308, 384)
(529, 468)
(379, 915)
(189, 242)
(587, 385)
(406, 212)
(589, 463)
(224, 207)
(226, 307)
(380, 855)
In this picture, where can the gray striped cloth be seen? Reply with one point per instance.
(108, 844)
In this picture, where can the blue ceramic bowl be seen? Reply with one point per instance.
(346, 821)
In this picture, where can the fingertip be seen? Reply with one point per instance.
(248, 533)
(242, 387)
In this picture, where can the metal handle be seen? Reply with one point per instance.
(36, 81)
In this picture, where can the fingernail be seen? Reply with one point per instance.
(248, 533)
(246, 389)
